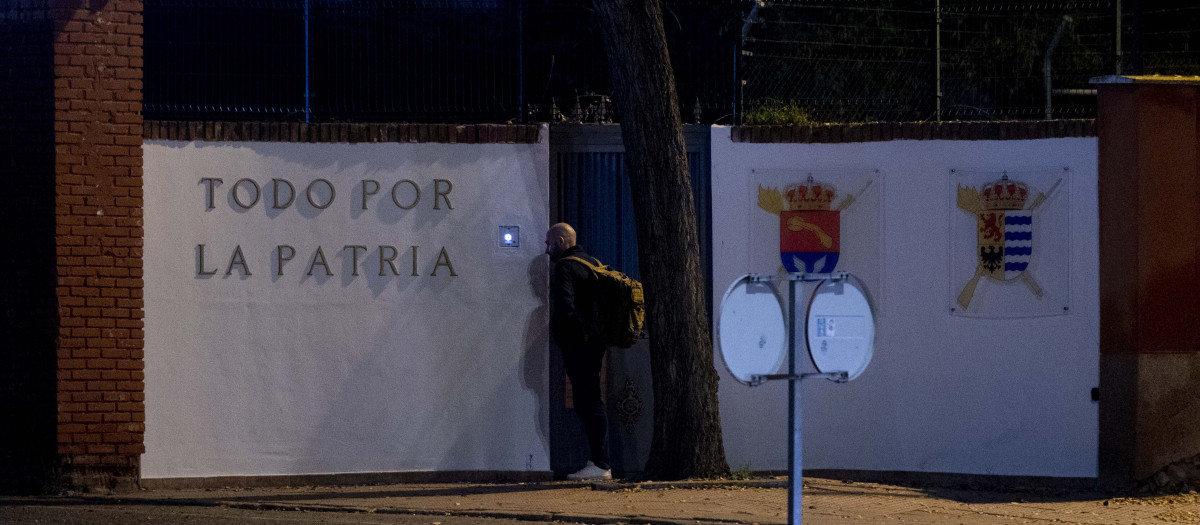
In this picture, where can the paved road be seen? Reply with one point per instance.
(80, 513)
(687, 503)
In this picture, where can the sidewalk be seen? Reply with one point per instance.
(661, 503)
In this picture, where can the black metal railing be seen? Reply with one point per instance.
(418, 60)
(735, 61)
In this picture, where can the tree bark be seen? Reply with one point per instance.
(687, 427)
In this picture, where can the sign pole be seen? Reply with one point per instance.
(738, 311)
(795, 470)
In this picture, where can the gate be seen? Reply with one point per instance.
(589, 188)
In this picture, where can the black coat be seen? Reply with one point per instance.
(572, 298)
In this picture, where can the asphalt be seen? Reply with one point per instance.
(761, 501)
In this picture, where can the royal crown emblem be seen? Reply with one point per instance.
(1005, 194)
(809, 224)
(1004, 232)
(809, 196)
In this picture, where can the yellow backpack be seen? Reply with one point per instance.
(619, 315)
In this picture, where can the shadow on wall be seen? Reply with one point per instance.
(535, 361)
(371, 157)
(456, 415)
(27, 155)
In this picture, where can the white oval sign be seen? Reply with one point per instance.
(840, 328)
(751, 336)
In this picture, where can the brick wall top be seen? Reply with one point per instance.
(528, 133)
(885, 131)
(335, 132)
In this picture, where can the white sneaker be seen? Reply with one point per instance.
(590, 471)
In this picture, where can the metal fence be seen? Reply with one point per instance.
(735, 61)
(331, 60)
(415, 60)
(921, 60)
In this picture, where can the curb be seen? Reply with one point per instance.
(615, 486)
(589, 519)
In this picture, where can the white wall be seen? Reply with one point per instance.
(944, 392)
(266, 374)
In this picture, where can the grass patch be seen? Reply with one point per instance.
(741, 474)
(770, 111)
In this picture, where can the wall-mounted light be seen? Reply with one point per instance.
(510, 236)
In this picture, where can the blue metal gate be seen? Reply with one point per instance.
(590, 190)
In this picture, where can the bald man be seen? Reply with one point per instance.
(572, 297)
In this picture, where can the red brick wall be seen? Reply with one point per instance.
(885, 131)
(341, 132)
(98, 210)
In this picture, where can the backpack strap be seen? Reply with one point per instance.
(594, 267)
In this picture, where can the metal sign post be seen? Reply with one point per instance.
(839, 333)
(795, 406)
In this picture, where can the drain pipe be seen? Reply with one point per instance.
(1062, 26)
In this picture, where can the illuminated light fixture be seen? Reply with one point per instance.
(510, 236)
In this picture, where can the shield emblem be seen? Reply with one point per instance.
(1005, 242)
(809, 240)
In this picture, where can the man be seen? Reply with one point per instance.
(572, 295)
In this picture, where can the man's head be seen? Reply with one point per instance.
(560, 237)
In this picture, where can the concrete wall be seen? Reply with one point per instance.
(944, 392)
(337, 361)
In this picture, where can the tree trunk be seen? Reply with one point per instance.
(687, 427)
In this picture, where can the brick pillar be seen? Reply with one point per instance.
(98, 215)
(71, 147)
(1149, 138)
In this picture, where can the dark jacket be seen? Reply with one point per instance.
(572, 297)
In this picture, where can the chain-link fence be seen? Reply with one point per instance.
(735, 61)
(920, 60)
(837, 61)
